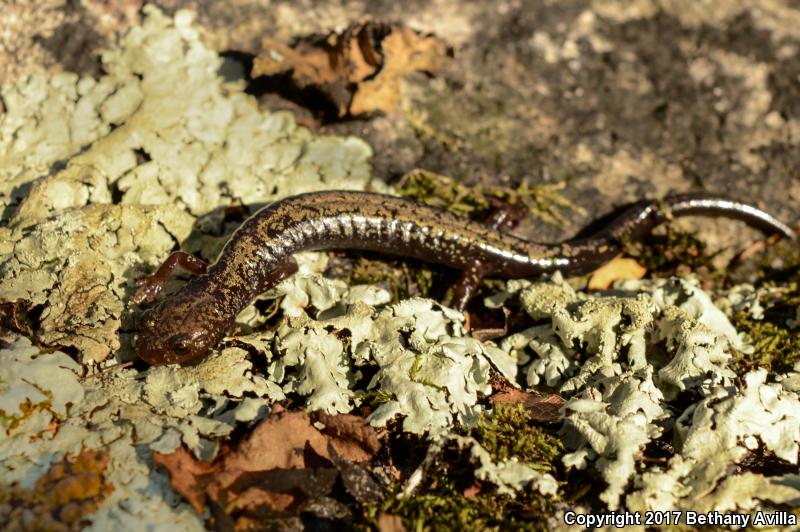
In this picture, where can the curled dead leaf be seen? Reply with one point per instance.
(359, 70)
(284, 467)
(188, 476)
(617, 269)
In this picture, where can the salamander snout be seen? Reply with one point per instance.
(165, 340)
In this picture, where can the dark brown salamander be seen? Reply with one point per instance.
(187, 325)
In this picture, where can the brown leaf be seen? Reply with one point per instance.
(404, 51)
(314, 482)
(285, 466)
(283, 441)
(390, 523)
(617, 269)
(280, 441)
(352, 437)
(254, 498)
(502, 384)
(544, 408)
(188, 476)
(359, 70)
(357, 480)
(473, 490)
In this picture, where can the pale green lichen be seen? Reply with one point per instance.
(717, 432)
(37, 379)
(423, 364)
(75, 265)
(624, 324)
(161, 127)
(638, 346)
(78, 414)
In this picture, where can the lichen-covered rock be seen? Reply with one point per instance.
(80, 157)
(717, 432)
(425, 368)
(77, 264)
(101, 178)
(35, 386)
(640, 344)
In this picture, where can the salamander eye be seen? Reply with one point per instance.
(181, 344)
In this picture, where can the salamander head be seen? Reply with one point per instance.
(178, 331)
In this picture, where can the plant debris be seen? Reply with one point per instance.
(284, 467)
(359, 70)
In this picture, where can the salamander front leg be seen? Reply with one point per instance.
(471, 276)
(286, 269)
(151, 286)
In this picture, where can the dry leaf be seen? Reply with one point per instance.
(617, 269)
(279, 441)
(473, 490)
(357, 480)
(390, 523)
(358, 71)
(284, 467)
(186, 475)
(404, 51)
(544, 408)
(352, 437)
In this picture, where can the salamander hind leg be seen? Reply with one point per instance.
(283, 271)
(151, 286)
(505, 215)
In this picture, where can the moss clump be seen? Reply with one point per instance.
(544, 202)
(443, 505)
(673, 252)
(403, 278)
(776, 337)
(451, 499)
(508, 433)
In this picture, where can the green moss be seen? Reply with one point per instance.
(508, 433)
(442, 505)
(675, 252)
(403, 278)
(777, 344)
(545, 202)
(449, 497)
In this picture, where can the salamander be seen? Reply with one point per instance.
(184, 327)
